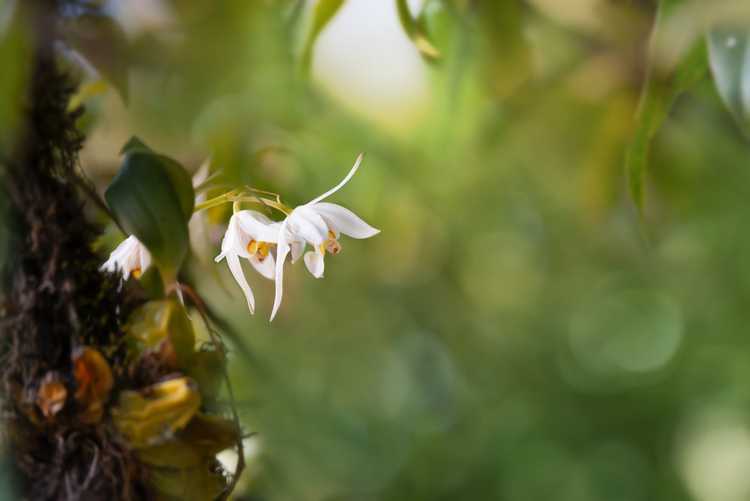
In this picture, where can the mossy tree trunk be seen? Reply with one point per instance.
(55, 300)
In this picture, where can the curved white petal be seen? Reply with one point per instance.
(145, 258)
(306, 224)
(236, 268)
(342, 219)
(258, 226)
(298, 248)
(200, 176)
(266, 267)
(315, 263)
(341, 184)
(282, 250)
(129, 255)
(235, 240)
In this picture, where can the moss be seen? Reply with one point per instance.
(55, 299)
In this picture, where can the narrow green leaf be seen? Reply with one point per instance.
(729, 57)
(102, 42)
(660, 91)
(324, 11)
(149, 197)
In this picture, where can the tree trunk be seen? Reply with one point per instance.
(56, 300)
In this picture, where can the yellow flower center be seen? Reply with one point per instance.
(137, 272)
(331, 244)
(259, 249)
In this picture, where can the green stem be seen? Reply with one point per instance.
(239, 196)
(265, 202)
(216, 201)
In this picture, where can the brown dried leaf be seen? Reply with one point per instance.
(51, 395)
(93, 383)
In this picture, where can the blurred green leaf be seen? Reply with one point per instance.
(135, 144)
(660, 91)
(182, 183)
(102, 42)
(416, 32)
(180, 178)
(159, 322)
(15, 51)
(729, 58)
(503, 29)
(207, 368)
(324, 11)
(152, 416)
(152, 197)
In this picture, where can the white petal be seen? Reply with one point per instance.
(305, 224)
(298, 248)
(235, 240)
(341, 184)
(282, 249)
(145, 258)
(265, 267)
(131, 254)
(315, 263)
(236, 268)
(257, 226)
(342, 219)
(202, 173)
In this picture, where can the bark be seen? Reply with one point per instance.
(55, 300)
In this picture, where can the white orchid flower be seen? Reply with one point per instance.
(319, 224)
(130, 257)
(249, 235)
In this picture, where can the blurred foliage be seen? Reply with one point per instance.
(511, 334)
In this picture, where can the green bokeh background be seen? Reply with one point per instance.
(516, 332)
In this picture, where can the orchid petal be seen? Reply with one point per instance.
(129, 255)
(258, 226)
(265, 267)
(239, 276)
(342, 219)
(145, 258)
(341, 184)
(201, 175)
(297, 249)
(235, 240)
(315, 263)
(304, 223)
(282, 250)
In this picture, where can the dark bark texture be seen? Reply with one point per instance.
(54, 299)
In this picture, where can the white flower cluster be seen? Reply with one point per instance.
(266, 244)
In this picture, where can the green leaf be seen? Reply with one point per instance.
(324, 11)
(416, 33)
(729, 57)
(15, 53)
(179, 176)
(102, 42)
(153, 199)
(135, 144)
(503, 25)
(660, 91)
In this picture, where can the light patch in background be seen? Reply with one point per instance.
(364, 59)
(137, 16)
(620, 335)
(714, 458)
(7, 7)
(629, 330)
(578, 13)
